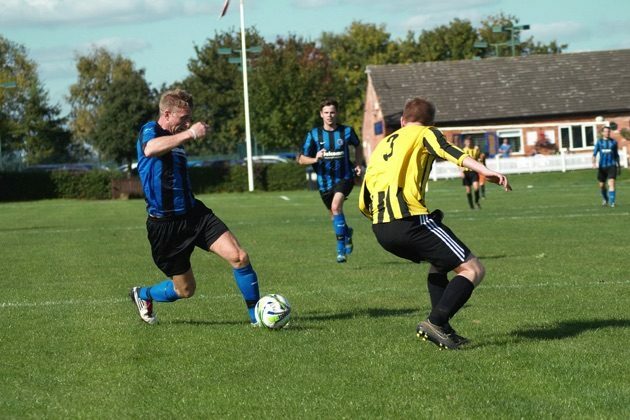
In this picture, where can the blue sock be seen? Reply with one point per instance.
(612, 195)
(339, 225)
(247, 282)
(161, 292)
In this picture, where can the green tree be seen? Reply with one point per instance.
(217, 88)
(350, 52)
(127, 104)
(288, 81)
(96, 72)
(448, 42)
(30, 128)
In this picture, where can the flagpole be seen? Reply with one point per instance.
(248, 134)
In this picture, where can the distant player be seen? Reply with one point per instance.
(608, 166)
(470, 178)
(393, 197)
(327, 149)
(177, 222)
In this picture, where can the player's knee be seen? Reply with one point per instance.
(239, 258)
(478, 269)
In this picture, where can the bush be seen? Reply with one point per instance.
(286, 177)
(99, 185)
(21, 186)
(88, 185)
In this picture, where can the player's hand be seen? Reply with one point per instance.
(500, 180)
(320, 155)
(358, 170)
(198, 130)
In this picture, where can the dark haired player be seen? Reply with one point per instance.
(177, 222)
(608, 166)
(327, 149)
(393, 197)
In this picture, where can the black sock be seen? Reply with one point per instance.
(483, 190)
(455, 296)
(605, 193)
(436, 283)
(469, 196)
(477, 196)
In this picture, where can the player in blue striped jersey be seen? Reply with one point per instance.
(327, 149)
(606, 147)
(177, 222)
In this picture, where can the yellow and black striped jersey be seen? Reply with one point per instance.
(395, 180)
(474, 152)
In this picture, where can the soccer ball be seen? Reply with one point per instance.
(273, 311)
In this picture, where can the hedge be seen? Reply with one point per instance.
(98, 185)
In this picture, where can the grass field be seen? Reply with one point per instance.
(550, 324)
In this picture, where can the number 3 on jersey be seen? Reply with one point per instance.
(390, 140)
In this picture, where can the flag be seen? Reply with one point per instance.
(224, 9)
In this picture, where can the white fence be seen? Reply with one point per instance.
(561, 162)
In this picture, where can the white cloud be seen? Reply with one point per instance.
(21, 13)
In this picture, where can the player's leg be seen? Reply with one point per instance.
(171, 252)
(476, 190)
(228, 248)
(469, 197)
(601, 178)
(339, 224)
(612, 194)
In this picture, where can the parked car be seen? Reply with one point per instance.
(268, 159)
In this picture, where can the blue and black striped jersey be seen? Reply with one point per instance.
(336, 165)
(608, 152)
(165, 181)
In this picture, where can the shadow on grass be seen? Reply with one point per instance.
(201, 322)
(370, 313)
(566, 329)
(491, 257)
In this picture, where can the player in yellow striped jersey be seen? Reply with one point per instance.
(470, 178)
(393, 197)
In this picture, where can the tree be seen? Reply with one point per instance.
(218, 91)
(127, 104)
(289, 80)
(30, 128)
(97, 71)
(349, 53)
(454, 41)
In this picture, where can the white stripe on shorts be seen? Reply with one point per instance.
(444, 236)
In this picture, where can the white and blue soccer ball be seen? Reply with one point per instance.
(273, 311)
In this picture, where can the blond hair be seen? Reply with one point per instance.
(175, 99)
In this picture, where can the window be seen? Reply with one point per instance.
(575, 137)
(514, 137)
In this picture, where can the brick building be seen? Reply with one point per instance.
(540, 103)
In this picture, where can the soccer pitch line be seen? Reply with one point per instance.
(110, 301)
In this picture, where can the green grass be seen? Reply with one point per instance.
(550, 324)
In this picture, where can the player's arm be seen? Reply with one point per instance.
(308, 155)
(164, 144)
(307, 160)
(595, 151)
(490, 175)
(365, 201)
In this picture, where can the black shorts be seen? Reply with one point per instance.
(469, 178)
(345, 187)
(173, 239)
(609, 172)
(423, 238)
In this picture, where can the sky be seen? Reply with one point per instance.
(159, 36)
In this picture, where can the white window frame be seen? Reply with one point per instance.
(583, 130)
(510, 134)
